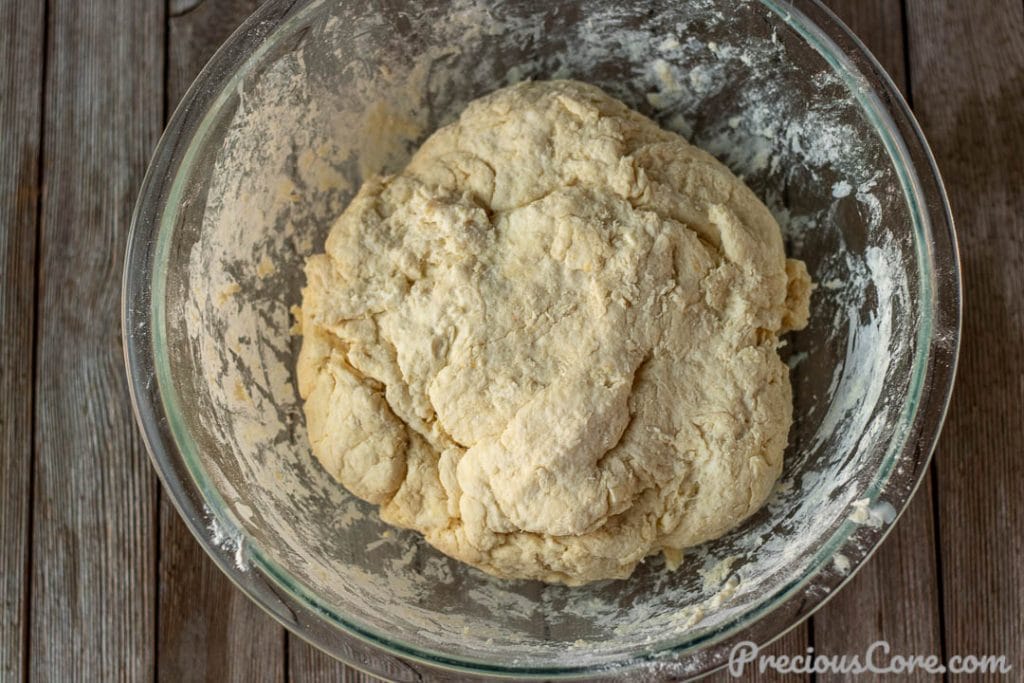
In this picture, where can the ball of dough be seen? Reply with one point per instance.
(549, 344)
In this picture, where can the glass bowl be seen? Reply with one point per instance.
(307, 98)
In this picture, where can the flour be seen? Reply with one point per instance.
(715, 575)
(302, 133)
(862, 512)
(231, 542)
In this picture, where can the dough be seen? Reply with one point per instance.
(549, 344)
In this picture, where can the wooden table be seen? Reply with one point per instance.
(99, 578)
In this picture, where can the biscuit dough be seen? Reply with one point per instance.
(549, 344)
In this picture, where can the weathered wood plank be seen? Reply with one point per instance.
(94, 516)
(967, 75)
(21, 87)
(208, 629)
(895, 596)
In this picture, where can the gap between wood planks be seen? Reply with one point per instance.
(22, 70)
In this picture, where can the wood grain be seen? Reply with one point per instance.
(21, 87)
(895, 596)
(93, 575)
(967, 75)
(208, 629)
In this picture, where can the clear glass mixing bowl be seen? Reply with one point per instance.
(310, 96)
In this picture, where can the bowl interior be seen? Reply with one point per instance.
(344, 90)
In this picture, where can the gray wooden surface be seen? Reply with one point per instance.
(21, 82)
(969, 91)
(91, 579)
(100, 580)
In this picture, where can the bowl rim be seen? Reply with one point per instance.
(276, 593)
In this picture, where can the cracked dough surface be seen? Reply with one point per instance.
(549, 344)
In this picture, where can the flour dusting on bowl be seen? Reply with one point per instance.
(349, 93)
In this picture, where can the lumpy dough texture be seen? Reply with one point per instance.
(549, 344)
